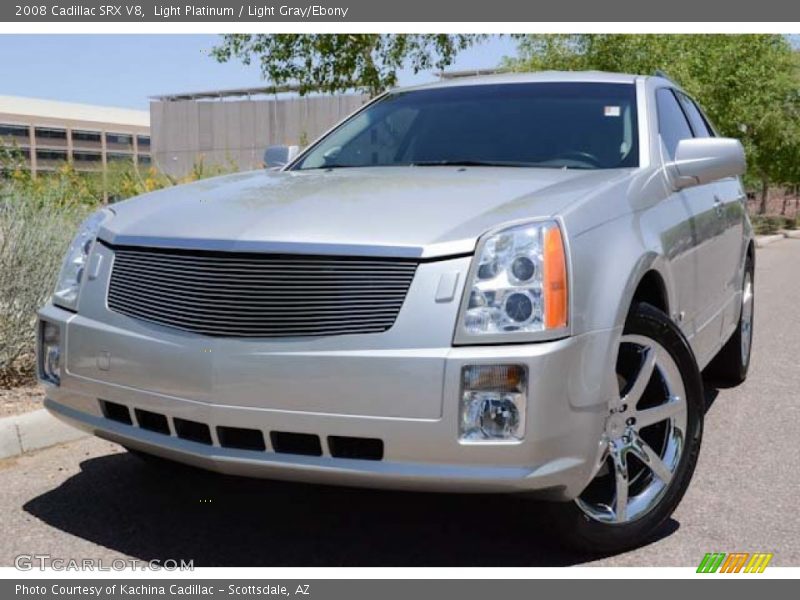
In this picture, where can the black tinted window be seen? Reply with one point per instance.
(14, 130)
(696, 119)
(672, 123)
(572, 125)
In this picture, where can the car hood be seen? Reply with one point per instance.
(391, 211)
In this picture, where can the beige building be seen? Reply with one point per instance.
(232, 128)
(48, 133)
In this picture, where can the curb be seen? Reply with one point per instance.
(766, 240)
(33, 431)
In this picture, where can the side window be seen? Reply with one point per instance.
(672, 123)
(696, 118)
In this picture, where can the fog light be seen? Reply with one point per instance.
(50, 353)
(493, 401)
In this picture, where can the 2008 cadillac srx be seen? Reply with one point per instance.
(500, 284)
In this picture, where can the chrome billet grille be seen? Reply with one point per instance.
(258, 295)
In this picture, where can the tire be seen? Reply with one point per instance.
(729, 367)
(596, 522)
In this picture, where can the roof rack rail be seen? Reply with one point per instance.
(663, 75)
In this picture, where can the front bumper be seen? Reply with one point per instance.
(361, 386)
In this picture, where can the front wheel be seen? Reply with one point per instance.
(649, 447)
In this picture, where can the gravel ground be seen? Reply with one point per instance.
(18, 400)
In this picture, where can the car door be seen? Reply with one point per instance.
(702, 323)
(730, 204)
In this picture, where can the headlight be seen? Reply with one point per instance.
(518, 285)
(69, 279)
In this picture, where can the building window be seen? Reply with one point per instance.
(118, 157)
(51, 133)
(51, 154)
(50, 157)
(143, 141)
(87, 157)
(119, 139)
(144, 160)
(86, 136)
(13, 131)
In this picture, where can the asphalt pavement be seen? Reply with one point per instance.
(91, 499)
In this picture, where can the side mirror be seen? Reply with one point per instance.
(276, 157)
(703, 160)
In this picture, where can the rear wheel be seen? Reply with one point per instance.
(649, 448)
(731, 364)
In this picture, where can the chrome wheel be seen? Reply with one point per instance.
(747, 317)
(644, 435)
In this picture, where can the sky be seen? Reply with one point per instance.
(124, 70)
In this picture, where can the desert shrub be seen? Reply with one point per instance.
(38, 218)
(767, 225)
(34, 234)
(62, 187)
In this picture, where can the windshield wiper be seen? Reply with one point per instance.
(453, 163)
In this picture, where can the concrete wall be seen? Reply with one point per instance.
(237, 131)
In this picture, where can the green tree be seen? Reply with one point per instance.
(748, 84)
(340, 62)
(787, 162)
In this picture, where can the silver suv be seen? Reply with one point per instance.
(501, 284)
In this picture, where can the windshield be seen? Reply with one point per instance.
(556, 125)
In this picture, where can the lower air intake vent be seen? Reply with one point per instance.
(243, 439)
(152, 421)
(192, 431)
(295, 443)
(116, 412)
(354, 447)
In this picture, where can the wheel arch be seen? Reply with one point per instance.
(650, 282)
(652, 290)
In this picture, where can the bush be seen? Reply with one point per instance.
(790, 223)
(767, 225)
(34, 233)
(38, 218)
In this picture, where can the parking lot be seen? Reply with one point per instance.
(92, 499)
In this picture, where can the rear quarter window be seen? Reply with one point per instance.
(672, 123)
(697, 120)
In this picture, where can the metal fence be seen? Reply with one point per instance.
(236, 132)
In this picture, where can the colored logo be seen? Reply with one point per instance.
(736, 562)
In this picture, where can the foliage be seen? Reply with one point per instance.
(341, 62)
(767, 225)
(65, 185)
(38, 217)
(34, 234)
(748, 84)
